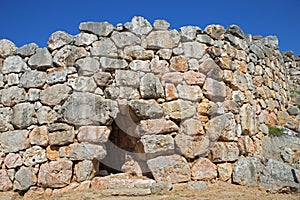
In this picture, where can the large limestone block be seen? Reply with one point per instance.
(13, 64)
(5, 182)
(203, 169)
(98, 28)
(224, 151)
(59, 39)
(7, 48)
(13, 141)
(55, 94)
(150, 86)
(214, 90)
(87, 108)
(246, 171)
(55, 174)
(179, 109)
(93, 134)
(24, 178)
(33, 79)
(67, 56)
(163, 39)
(23, 114)
(146, 109)
(138, 25)
(12, 95)
(83, 151)
(172, 168)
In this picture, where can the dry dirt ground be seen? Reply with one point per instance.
(219, 190)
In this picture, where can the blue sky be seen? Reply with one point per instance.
(26, 21)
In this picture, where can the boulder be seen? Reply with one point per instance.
(33, 79)
(7, 48)
(163, 39)
(104, 47)
(59, 75)
(60, 134)
(161, 25)
(12, 96)
(5, 119)
(224, 151)
(189, 92)
(84, 170)
(193, 49)
(124, 39)
(222, 128)
(156, 126)
(22, 115)
(225, 171)
(83, 151)
(99, 28)
(55, 174)
(278, 174)
(215, 31)
(214, 90)
(150, 87)
(84, 39)
(5, 182)
(146, 109)
(13, 160)
(179, 63)
(42, 59)
(188, 33)
(211, 70)
(140, 65)
(246, 171)
(192, 127)
(24, 179)
(39, 136)
(59, 39)
(110, 64)
(127, 78)
(179, 109)
(55, 94)
(27, 50)
(46, 115)
(34, 155)
(172, 167)
(87, 109)
(203, 169)
(103, 78)
(191, 147)
(157, 145)
(138, 25)
(67, 56)
(13, 64)
(84, 84)
(93, 134)
(87, 66)
(248, 119)
(194, 78)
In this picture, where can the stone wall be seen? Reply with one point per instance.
(176, 106)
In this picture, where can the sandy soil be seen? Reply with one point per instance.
(218, 190)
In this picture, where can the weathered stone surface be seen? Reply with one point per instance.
(87, 108)
(257, 49)
(156, 126)
(67, 56)
(138, 52)
(84, 170)
(190, 147)
(127, 78)
(179, 64)
(60, 134)
(192, 127)
(39, 136)
(188, 33)
(138, 25)
(55, 174)
(194, 78)
(175, 167)
(104, 47)
(196, 185)
(22, 116)
(215, 31)
(140, 65)
(93, 134)
(246, 146)
(103, 78)
(225, 171)
(110, 64)
(173, 77)
(150, 86)
(235, 30)
(146, 109)
(211, 69)
(124, 39)
(203, 169)
(34, 155)
(24, 178)
(163, 39)
(207, 107)
(170, 92)
(5, 182)
(7, 48)
(98, 28)
(214, 90)
(205, 39)
(161, 25)
(59, 75)
(84, 39)
(33, 94)
(156, 145)
(222, 128)
(179, 109)
(13, 79)
(248, 119)
(59, 39)
(193, 49)
(87, 66)
(13, 64)
(45, 115)
(12, 96)
(131, 166)
(27, 50)
(246, 171)
(5, 119)
(84, 84)
(188, 92)
(278, 174)
(231, 106)
(83, 151)
(33, 79)
(42, 59)
(55, 94)
(52, 153)
(222, 152)
(159, 67)
(13, 160)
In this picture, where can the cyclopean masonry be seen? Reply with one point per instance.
(187, 105)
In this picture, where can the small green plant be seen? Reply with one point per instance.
(273, 130)
(295, 92)
(159, 194)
